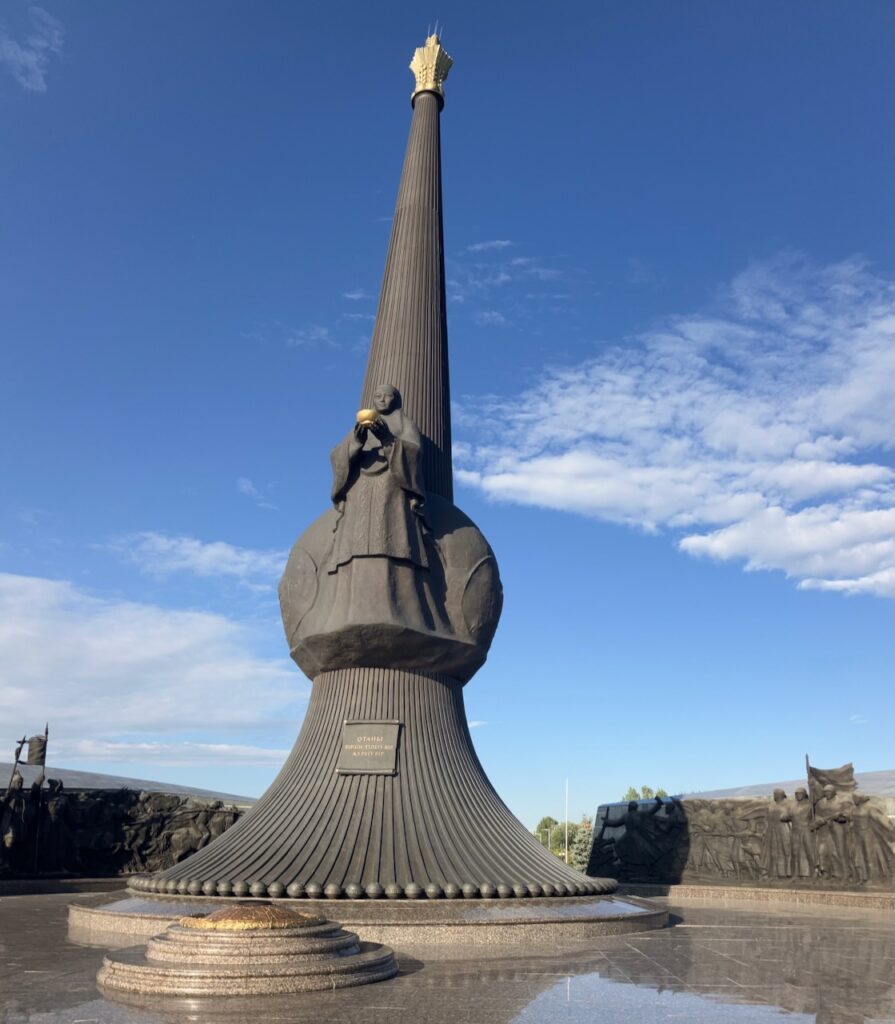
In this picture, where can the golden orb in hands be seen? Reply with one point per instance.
(366, 417)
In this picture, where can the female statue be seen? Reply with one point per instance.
(383, 560)
(776, 851)
(378, 488)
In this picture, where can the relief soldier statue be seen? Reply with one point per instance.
(833, 815)
(18, 822)
(645, 842)
(802, 855)
(776, 851)
(57, 851)
(872, 838)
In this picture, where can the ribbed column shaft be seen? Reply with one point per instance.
(437, 820)
(409, 345)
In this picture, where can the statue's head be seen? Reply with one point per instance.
(54, 786)
(779, 796)
(801, 794)
(632, 805)
(860, 798)
(386, 398)
(17, 782)
(829, 791)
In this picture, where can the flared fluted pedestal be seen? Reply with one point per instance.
(433, 829)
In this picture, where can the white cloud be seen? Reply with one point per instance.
(754, 431)
(160, 555)
(490, 275)
(309, 337)
(496, 244)
(170, 754)
(245, 486)
(880, 583)
(356, 295)
(490, 318)
(29, 61)
(476, 723)
(121, 672)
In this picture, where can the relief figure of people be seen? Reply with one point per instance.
(643, 843)
(871, 841)
(776, 850)
(801, 857)
(58, 850)
(831, 826)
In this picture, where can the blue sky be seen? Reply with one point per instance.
(668, 262)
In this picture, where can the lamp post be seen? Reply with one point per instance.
(567, 821)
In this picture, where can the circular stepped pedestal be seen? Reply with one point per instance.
(247, 949)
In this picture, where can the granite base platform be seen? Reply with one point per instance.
(873, 900)
(403, 924)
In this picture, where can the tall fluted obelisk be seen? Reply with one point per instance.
(409, 344)
(390, 601)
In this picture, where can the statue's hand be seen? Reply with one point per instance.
(360, 433)
(380, 429)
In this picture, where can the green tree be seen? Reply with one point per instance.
(558, 838)
(543, 827)
(579, 851)
(644, 793)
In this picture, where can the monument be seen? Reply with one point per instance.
(389, 601)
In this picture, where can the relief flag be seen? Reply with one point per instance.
(842, 779)
(37, 749)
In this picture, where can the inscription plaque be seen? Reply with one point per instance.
(369, 748)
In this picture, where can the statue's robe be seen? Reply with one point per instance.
(379, 492)
(834, 818)
(801, 863)
(383, 566)
(776, 849)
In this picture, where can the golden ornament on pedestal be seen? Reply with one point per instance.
(245, 917)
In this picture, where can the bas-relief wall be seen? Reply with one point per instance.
(841, 840)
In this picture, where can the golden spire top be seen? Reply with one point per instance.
(430, 65)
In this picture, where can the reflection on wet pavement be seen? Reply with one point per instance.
(719, 963)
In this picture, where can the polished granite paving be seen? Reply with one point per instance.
(717, 963)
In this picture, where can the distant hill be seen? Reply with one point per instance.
(73, 779)
(875, 783)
